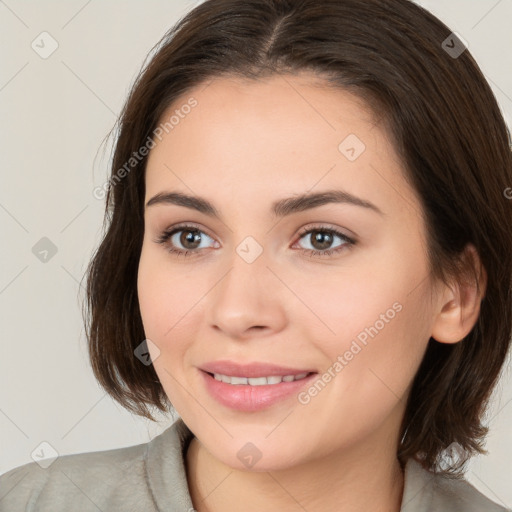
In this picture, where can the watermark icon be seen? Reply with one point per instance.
(451, 457)
(351, 147)
(249, 454)
(304, 397)
(44, 455)
(508, 192)
(147, 352)
(454, 45)
(249, 249)
(44, 45)
(139, 155)
(44, 250)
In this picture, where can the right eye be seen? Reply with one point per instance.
(188, 236)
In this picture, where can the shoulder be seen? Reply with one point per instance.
(100, 480)
(461, 495)
(425, 491)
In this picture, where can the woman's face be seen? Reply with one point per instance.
(252, 289)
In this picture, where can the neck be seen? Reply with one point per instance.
(363, 478)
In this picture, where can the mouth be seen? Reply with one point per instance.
(270, 380)
(230, 369)
(255, 393)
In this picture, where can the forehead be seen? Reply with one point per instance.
(245, 139)
(302, 104)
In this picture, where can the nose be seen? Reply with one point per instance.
(248, 299)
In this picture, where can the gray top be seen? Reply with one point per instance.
(151, 477)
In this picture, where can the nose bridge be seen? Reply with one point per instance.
(246, 274)
(245, 297)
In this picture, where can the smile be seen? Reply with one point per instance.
(258, 381)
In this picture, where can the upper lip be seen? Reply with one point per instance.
(255, 369)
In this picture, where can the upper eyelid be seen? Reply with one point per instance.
(325, 227)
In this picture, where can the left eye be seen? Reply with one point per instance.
(324, 237)
(191, 238)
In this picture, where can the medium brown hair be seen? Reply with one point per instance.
(446, 127)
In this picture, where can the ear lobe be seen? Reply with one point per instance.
(458, 307)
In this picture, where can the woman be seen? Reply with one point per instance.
(309, 258)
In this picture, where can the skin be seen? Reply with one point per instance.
(245, 145)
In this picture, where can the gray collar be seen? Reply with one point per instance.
(165, 471)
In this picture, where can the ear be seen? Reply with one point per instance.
(458, 305)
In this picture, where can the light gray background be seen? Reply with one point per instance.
(55, 113)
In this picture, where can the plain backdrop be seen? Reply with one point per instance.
(55, 112)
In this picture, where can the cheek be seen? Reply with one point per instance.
(356, 303)
(160, 292)
(169, 305)
(371, 363)
(374, 330)
(151, 295)
(163, 306)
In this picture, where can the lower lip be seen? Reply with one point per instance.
(247, 398)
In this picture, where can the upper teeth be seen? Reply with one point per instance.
(258, 381)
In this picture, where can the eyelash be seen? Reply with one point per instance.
(166, 235)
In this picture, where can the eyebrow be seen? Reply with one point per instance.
(280, 208)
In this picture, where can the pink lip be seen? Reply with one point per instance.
(251, 370)
(247, 398)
